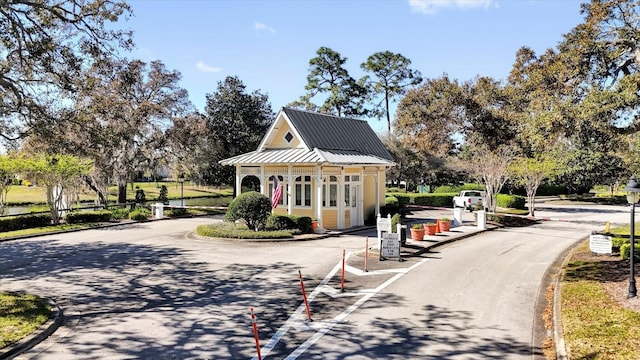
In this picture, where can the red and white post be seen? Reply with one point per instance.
(255, 333)
(342, 280)
(304, 296)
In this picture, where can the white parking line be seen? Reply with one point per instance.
(323, 327)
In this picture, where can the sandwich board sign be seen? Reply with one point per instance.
(390, 246)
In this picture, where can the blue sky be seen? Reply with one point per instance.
(268, 44)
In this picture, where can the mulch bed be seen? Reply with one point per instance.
(613, 272)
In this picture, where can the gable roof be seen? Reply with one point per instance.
(328, 132)
(325, 139)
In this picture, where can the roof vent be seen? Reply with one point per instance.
(288, 137)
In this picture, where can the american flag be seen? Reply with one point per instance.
(277, 192)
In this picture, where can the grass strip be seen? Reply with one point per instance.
(595, 325)
(20, 315)
(46, 230)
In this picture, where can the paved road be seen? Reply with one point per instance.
(152, 290)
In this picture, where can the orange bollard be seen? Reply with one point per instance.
(342, 281)
(438, 227)
(304, 297)
(255, 333)
(366, 254)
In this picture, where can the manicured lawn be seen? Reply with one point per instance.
(20, 315)
(45, 230)
(36, 195)
(598, 321)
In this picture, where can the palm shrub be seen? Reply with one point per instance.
(253, 208)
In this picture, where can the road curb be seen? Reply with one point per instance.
(558, 334)
(31, 340)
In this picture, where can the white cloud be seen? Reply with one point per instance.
(263, 27)
(200, 65)
(433, 6)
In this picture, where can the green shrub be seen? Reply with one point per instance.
(292, 223)
(252, 208)
(625, 250)
(617, 242)
(511, 201)
(392, 200)
(435, 200)
(89, 216)
(395, 220)
(139, 213)
(12, 223)
(447, 189)
(551, 190)
(230, 231)
(163, 195)
(304, 224)
(394, 190)
(391, 206)
(119, 213)
(281, 222)
(468, 186)
(177, 212)
(403, 199)
(141, 198)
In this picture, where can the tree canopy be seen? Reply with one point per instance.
(327, 76)
(236, 121)
(392, 78)
(44, 48)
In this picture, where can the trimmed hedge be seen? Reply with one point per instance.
(231, 232)
(511, 201)
(437, 200)
(289, 222)
(89, 216)
(12, 223)
(430, 199)
(551, 190)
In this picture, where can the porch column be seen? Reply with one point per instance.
(318, 211)
(376, 177)
(238, 180)
(289, 192)
(380, 186)
(341, 208)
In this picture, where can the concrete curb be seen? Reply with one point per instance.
(558, 334)
(43, 332)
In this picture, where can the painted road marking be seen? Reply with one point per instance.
(323, 327)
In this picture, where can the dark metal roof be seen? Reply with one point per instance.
(327, 132)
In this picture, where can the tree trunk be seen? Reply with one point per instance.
(90, 181)
(122, 193)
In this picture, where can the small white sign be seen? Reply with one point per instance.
(383, 224)
(391, 245)
(600, 244)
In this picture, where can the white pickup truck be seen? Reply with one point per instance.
(468, 199)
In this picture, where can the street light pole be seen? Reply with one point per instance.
(632, 188)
